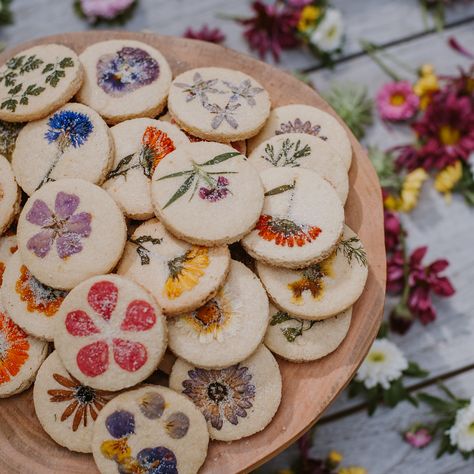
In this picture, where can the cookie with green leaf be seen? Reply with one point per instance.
(38, 80)
(10, 195)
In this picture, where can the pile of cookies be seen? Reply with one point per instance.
(123, 235)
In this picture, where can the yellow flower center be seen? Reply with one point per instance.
(332, 32)
(449, 135)
(470, 430)
(376, 357)
(397, 99)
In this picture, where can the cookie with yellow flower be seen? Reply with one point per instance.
(181, 276)
(9, 195)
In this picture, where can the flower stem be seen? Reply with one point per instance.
(372, 50)
(47, 176)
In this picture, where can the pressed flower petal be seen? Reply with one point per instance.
(79, 224)
(40, 243)
(39, 214)
(68, 244)
(152, 405)
(140, 316)
(66, 204)
(129, 355)
(93, 359)
(120, 423)
(102, 297)
(78, 323)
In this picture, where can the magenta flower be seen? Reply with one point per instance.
(61, 226)
(396, 101)
(218, 192)
(106, 9)
(418, 437)
(393, 229)
(212, 35)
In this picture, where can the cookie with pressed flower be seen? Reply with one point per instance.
(73, 142)
(68, 231)
(140, 144)
(321, 290)
(110, 334)
(300, 340)
(181, 276)
(299, 118)
(38, 80)
(8, 134)
(124, 79)
(295, 150)
(237, 401)
(10, 195)
(8, 246)
(29, 303)
(207, 194)
(228, 328)
(301, 221)
(218, 104)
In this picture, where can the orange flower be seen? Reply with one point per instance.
(156, 145)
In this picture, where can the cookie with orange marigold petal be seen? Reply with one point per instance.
(181, 276)
(140, 144)
(8, 246)
(10, 195)
(301, 221)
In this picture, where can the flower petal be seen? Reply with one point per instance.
(40, 243)
(39, 214)
(93, 359)
(140, 316)
(418, 255)
(68, 244)
(78, 323)
(102, 298)
(79, 224)
(120, 423)
(66, 204)
(129, 355)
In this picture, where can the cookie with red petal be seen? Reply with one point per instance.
(8, 246)
(110, 334)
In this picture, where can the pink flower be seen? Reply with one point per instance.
(213, 35)
(396, 101)
(418, 437)
(107, 9)
(393, 229)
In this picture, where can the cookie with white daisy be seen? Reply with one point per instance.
(124, 79)
(321, 290)
(10, 195)
(207, 193)
(228, 328)
(73, 142)
(237, 401)
(218, 104)
(301, 220)
(140, 144)
(299, 118)
(8, 246)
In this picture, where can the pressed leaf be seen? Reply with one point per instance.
(47, 68)
(118, 170)
(181, 191)
(279, 317)
(220, 158)
(291, 333)
(280, 189)
(66, 62)
(175, 175)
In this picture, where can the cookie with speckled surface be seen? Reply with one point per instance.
(8, 246)
(10, 195)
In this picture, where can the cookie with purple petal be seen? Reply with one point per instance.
(9, 195)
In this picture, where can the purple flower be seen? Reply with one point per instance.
(218, 192)
(212, 35)
(418, 437)
(107, 9)
(62, 226)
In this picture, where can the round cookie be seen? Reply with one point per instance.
(124, 79)
(299, 118)
(8, 246)
(299, 340)
(10, 195)
(322, 290)
(218, 104)
(237, 401)
(140, 144)
(20, 357)
(150, 430)
(207, 194)
(8, 134)
(37, 81)
(181, 276)
(73, 142)
(294, 150)
(110, 334)
(228, 328)
(301, 221)
(66, 408)
(70, 230)
(29, 303)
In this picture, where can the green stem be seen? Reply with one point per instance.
(371, 50)
(47, 176)
(114, 174)
(228, 16)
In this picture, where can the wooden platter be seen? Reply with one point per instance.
(308, 388)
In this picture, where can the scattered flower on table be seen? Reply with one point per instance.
(418, 436)
(393, 229)
(205, 33)
(105, 11)
(396, 101)
(426, 85)
(329, 33)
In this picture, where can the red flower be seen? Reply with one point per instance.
(212, 35)
(393, 229)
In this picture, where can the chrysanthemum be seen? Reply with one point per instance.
(461, 434)
(397, 101)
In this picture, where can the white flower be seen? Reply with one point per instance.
(461, 434)
(329, 34)
(383, 364)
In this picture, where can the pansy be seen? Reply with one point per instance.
(397, 101)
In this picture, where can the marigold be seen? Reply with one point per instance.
(447, 179)
(309, 16)
(156, 145)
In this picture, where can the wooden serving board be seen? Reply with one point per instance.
(308, 388)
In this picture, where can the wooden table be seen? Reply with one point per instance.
(445, 348)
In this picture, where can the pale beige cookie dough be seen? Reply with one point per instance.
(236, 401)
(37, 81)
(124, 79)
(300, 340)
(73, 142)
(152, 429)
(140, 144)
(301, 221)
(8, 133)
(299, 118)
(10, 195)
(70, 230)
(321, 290)
(228, 328)
(218, 104)
(8, 246)
(207, 194)
(181, 277)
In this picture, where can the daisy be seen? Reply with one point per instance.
(461, 434)
(329, 34)
(397, 101)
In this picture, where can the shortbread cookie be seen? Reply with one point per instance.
(237, 401)
(321, 290)
(150, 430)
(124, 79)
(9, 195)
(207, 194)
(73, 142)
(37, 81)
(140, 144)
(218, 104)
(300, 340)
(299, 118)
(293, 150)
(301, 221)
(20, 357)
(181, 276)
(110, 334)
(68, 231)
(66, 408)
(29, 303)
(228, 328)
(8, 134)
(8, 246)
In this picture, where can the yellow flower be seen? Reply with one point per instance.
(392, 203)
(352, 470)
(447, 178)
(426, 85)
(411, 188)
(286, 471)
(334, 457)
(308, 17)
(116, 449)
